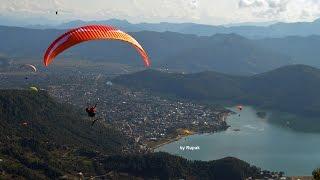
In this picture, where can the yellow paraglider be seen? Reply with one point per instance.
(32, 88)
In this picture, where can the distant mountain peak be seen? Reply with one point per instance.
(279, 29)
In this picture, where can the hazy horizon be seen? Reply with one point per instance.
(23, 12)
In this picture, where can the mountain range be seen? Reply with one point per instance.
(227, 53)
(247, 30)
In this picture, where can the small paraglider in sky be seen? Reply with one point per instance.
(32, 88)
(56, 12)
(109, 83)
(239, 107)
(29, 68)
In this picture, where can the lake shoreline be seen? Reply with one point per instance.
(169, 140)
(259, 134)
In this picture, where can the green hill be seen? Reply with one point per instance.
(291, 89)
(51, 121)
(40, 137)
(199, 86)
(165, 166)
(294, 89)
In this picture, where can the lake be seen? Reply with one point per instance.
(256, 141)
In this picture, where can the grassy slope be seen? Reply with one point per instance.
(55, 138)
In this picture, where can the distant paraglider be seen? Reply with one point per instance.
(29, 67)
(239, 107)
(109, 83)
(88, 33)
(34, 89)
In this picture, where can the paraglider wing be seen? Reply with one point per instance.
(239, 107)
(88, 33)
(29, 66)
(34, 89)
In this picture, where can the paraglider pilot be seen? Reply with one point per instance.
(91, 111)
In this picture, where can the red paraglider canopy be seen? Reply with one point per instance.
(88, 33)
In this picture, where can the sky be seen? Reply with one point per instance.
(213, 12)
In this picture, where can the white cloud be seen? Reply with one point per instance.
(193, 4)
(177, 9)
(27, 6)
(200, 11)
(251, 3)
(284, 10)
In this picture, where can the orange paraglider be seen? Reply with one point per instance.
(88, 33)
